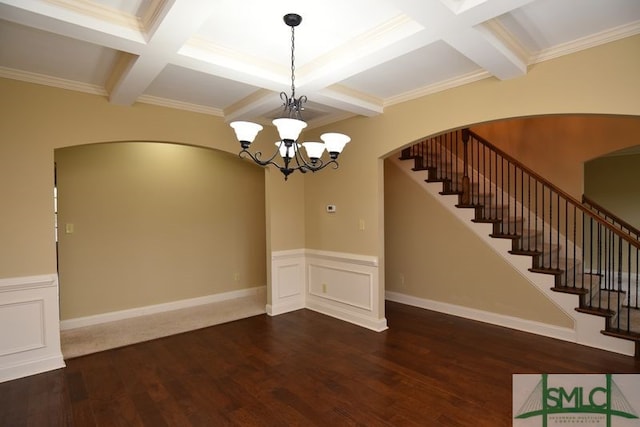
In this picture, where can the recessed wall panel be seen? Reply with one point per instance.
(29, 315)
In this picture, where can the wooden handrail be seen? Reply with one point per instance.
(614, 217)
(576, 202)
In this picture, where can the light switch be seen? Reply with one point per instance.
(68, 228)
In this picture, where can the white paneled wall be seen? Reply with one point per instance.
(29, 326)
(287, 282)
(340, 285)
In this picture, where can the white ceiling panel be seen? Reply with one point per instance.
(415, 70)
(547, 23)
(256, 27)
(57, 56)
(197, 88)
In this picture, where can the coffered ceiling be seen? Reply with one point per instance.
(231, 58)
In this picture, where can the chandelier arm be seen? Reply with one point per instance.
(308, 164)
(256, 158)
(321, 166)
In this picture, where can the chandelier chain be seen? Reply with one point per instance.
(293, 66)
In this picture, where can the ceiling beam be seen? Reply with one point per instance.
(466, 26)
(484, 47)
(176, 23)
(342, 98)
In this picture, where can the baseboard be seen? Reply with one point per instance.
(31, 367)
(276, 309)
(350, 316)
(565, 334)
(79, 322)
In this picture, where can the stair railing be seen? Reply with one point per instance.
(586, 254)
(611, 218)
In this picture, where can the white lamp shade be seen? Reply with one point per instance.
(314, 149)
(335, 142)
(289, 128)
(246, 131)
(283, 149)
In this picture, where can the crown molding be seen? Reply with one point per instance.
(437, 87)
(329, 119)
(583, 43)
(151, 14)
(41, 79)
(179, 105)
(104, 13)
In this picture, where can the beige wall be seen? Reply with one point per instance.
(154, 223)
(614, 183)
(37, 119)
(431, 254)
(557, 147)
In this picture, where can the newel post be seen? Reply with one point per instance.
(466, 187)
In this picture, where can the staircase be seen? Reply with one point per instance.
(586, 254)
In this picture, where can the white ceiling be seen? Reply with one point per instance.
(231, 58)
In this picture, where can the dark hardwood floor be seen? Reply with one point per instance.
(303, 368)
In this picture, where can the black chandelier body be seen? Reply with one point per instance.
(289, 126)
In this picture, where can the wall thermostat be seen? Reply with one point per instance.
(331, 208)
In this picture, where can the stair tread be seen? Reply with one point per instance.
(622, 333)
(537, 251)
(544, 270)
(570, 290)
(596, 311)
(504, 236)
(486, 220)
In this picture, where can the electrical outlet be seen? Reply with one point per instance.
(324, 288)
(402, 280)
(236, 277)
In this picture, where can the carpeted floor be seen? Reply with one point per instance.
(92, 339)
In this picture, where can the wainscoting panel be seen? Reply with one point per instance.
(345, 286)
(341, 285)
(30, 336)
(29, 326)
(287, 282)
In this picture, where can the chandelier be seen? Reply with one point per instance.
(289, 126)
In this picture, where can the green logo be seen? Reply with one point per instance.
(606, 400)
